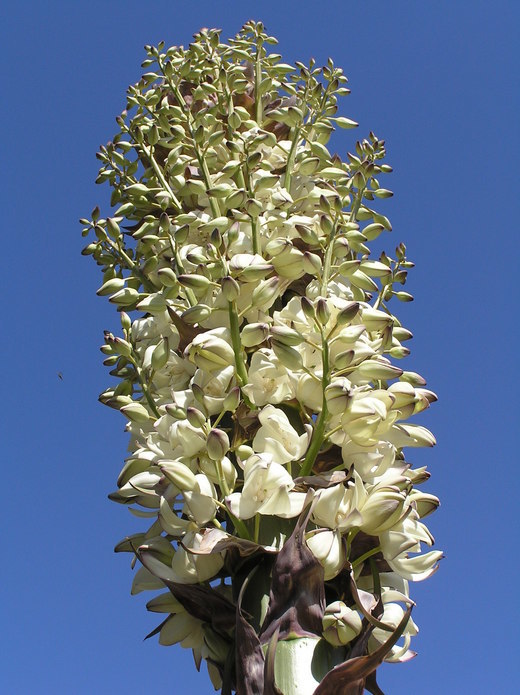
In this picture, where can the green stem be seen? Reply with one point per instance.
(222, 479)
(160, 176)
(254, 231)
(359, 561)
(258, 79)
(290, 159)
(328, 260)
(319, 430)
(237, 345)
(144, 387)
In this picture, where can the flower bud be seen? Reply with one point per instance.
(136, 412)
(125, 297)
(160, 354)
(308, 308)
(312, 263)
(195, 417)
(344, 359)
(347, 313)
(375, 320)
(121, 347)
(338, 395)
(309, 166)
(288, 356)
(178, 474)
(217, 444)
(111, 286)
(230, 288)
(375, 369)
(126, 321)
(167, 277)
(254, 334)
(253, 207)
(286, 335)
(322, 311)
(174, 411)
(383, 508)
(307, 234)
(232, 400)
(266, 292)
(153, 303)
(194, 281)
(196, 314)
(341, 624)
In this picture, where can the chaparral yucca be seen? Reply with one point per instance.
(257, 372)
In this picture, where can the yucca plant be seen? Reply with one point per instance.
(266, 415)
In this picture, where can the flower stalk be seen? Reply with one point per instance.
(268, 420)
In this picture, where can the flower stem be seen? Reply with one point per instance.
(237, 345)
(319, 430)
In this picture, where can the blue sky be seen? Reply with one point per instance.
(438, 81)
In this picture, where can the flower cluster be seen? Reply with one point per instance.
(256, 367)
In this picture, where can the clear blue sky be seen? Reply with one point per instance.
(437, 80)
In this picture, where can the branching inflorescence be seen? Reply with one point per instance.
(267, 417)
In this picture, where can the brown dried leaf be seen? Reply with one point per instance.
(297, 596)
(186, 332)
(204, 603)
(249, 656)
(349, 677)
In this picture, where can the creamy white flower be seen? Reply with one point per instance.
(189, 568)
(185, 440)
(338, 506)
(370, 462)
(269, 380)
(215, 385)
(267, 490)
(200, 503)
(392, 615)
(328, 547)
(308, 389)
(212, 351)
(277, 436)
(368, 416)
(403, 538)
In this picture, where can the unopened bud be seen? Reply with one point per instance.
(160, 354)
(266, 292)
(341, 624)
(196, 314)
(338, 395)
(194, 281)
(347, 313)
(230, 288)
(253, 207)
(374, 369)
(168, 277)
(344, 359)
(286, 335)
(254, 334)
(308, 308)
(136, 413)
(322, 311)
(179, 474)
(217, 444)
(312, 263)
(122, 347)
(287, 355)
(195, 417)
(126, 321)
(232, 400)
